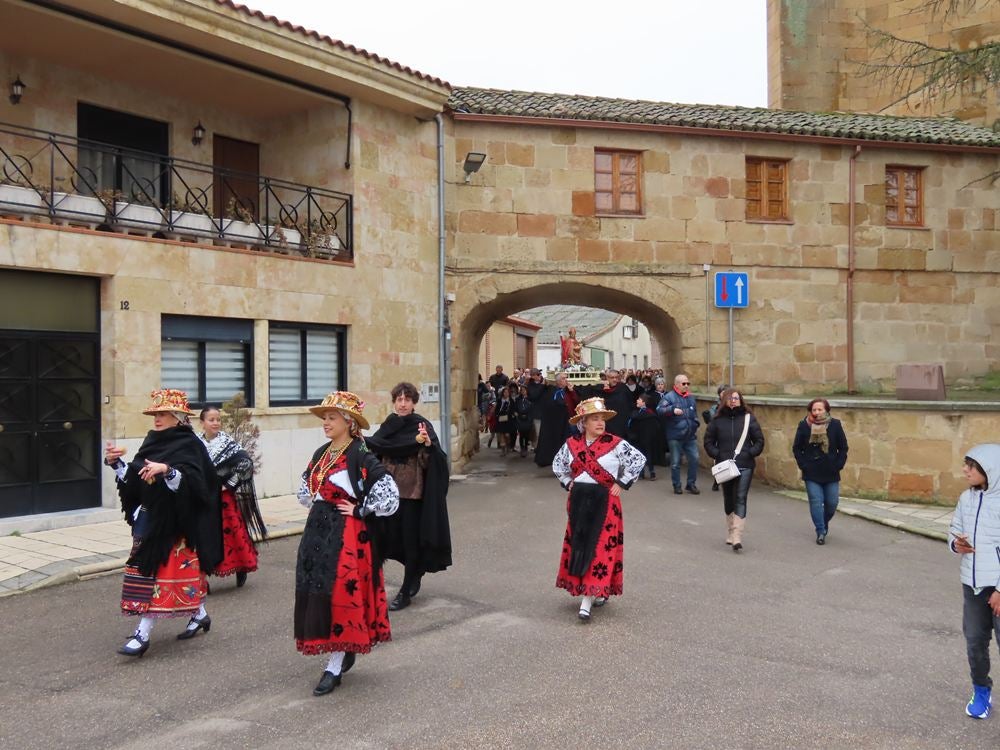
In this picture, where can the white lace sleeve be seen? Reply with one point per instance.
(631, 460)
(561, 466)
(382, 499)
(305, 499)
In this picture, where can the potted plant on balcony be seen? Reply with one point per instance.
(283, 235)
(90, 210)
(140, 213)
(239, 225)
(321, 242)
(190, 217)
(18, 198)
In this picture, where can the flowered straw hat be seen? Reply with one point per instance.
(590, 407)
(168, 400)
(344, 402)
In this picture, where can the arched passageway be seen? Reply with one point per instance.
(478, 302)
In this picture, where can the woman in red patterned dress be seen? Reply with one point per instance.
(340, 604)
(170, 496)
(594, 467)
(241, 517)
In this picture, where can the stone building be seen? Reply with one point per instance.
(817, 51)
(869, 241)
(510, 343)
(199, 196)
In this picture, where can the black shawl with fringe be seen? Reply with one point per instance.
(193, 512)
(235, 469)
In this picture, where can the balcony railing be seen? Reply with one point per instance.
(87, 183)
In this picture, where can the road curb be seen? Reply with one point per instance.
(890, 522)
(81, 572)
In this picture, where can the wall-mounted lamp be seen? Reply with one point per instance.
(473, 161)
(17, 88)
(198, 135)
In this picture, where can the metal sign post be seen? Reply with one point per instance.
(732, 290)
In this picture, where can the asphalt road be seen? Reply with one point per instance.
(853, 645)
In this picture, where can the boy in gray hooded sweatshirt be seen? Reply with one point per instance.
(975, 535)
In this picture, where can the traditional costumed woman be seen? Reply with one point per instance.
(170, 495)
(340, 605)
(594, 467)
(418, 536)
(241, 518)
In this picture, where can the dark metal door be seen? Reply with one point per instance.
(49, 422)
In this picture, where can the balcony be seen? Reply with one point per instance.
(67, 180)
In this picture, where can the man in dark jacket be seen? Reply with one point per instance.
(680, 411)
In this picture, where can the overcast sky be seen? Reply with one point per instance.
(693, 51)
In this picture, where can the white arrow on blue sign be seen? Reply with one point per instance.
(732, 290)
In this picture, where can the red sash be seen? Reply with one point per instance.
(585, 457)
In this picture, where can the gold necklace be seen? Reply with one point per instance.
(325, 463)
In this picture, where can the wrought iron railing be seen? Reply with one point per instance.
(94, 184)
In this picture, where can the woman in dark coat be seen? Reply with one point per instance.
(820, 450)
(721, 440)
(170, 495)
(644, 433)
(506, 418)
(419, 535)
(340, 606)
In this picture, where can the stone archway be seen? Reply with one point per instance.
(481, 298)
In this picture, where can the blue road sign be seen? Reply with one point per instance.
(732, 290)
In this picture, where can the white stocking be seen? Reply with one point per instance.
(142, 631)
(585, 604)
(336, 662)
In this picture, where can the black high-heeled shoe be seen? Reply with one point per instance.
(139, 650)
(205, 623)
(241, 578)
(349, 658)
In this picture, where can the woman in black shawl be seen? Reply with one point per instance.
(170, 495)
(241, 518)
(418, 535)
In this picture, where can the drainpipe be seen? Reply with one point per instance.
(444, 345)
(851, 388)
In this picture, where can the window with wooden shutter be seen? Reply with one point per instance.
(904, 196)
(767, 190)
(617, 182)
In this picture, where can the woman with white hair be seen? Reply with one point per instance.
(340, 603)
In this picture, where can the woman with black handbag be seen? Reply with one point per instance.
(735, 435)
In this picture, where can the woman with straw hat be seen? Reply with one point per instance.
(340, 603)
(170, 495)
(594, 467)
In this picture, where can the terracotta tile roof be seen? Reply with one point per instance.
(244, 10)
(931, 130)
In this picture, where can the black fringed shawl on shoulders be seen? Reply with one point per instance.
(232, 461)
(193, 512)
(397, 438)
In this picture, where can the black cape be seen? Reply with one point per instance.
(555, 426)
(643, 428)
(397, 438)
(619, 398)
(193, 512)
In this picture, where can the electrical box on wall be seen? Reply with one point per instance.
(430, 393)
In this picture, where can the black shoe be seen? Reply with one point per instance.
(600, 601)
(139, 650)
(415, 588)
(349, 659)
(205, 623)
(326, 683)
(402, 601)
(241, 578)
(737, 547)
(584, 615)
(693, 490)
(715, 486)
(678, 491)
(821, 539)
(652, 477)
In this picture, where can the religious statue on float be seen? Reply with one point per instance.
(572, 349)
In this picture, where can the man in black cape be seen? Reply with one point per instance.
(617, 397)
(555, 406)
(419, 535)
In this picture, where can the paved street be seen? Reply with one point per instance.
(856, 644)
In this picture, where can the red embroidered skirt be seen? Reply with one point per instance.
(240, 554)
(605, 573)
(340, 602)
(177, 589)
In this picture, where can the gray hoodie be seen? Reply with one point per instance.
(978, 517)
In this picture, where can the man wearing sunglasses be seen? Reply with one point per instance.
(679, 409)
